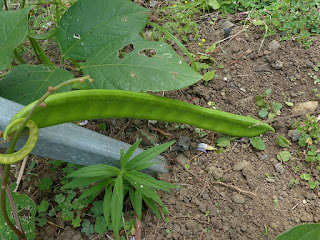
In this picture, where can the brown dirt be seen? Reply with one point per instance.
(244, 206)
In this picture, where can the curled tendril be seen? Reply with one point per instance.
(27, 148)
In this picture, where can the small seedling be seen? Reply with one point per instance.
(283, 142)
(266, 109)
(257, 143)
(118, 182)
(284, 156)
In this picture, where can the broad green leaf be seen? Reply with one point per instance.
(146, 180)
(257, 143)
(26, 210)
(117, 205)
(25, 84)
(214, 4)
(97, 170)
(151, 204)
(125, 158)
(283, 142)
(81, 182)
(94, 190)
(136, 70)
(208, 75)
(283, 156)
(107, 204)
(147, 155)
(13, 30)
(302, 232)
(89, 24)
(1, 5)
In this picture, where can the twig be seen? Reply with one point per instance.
(194, 158)
(235, 188)
(138, 229)
(23, 166)
(56, 225)
(162, 132)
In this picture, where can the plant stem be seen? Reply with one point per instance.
(36, 47)
(57, 13)
(4, 186)
(16, 54)
(35, 50)
(75, 63)
(5, 5)
(183, 48)
(23, 3)
(13, 207)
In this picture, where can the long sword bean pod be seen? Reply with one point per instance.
(93, 104)
(27, 148)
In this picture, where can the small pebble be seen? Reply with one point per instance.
(241, 165)
(237, 198)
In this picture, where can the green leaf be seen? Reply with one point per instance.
(147, 155)
(45, 183)
(260, 101)
(208, 76)
(166, 70)
(214, 4)
(1, 5)
(107, 204)
(146, 180)
(60, 198)
(13, 29)
(257, 143)
(116, 206)
(81, 182)
(25, 84)
(88, 24)
(283, 156)
(305, 176)
(151, 204)
(150, 193)
(223, 141)
(211, 48)
(26, 210)
(125, 158)
(94, 190)
(289, 104)
(100, 226)
(263, 113)
(276, 106)
(302, 232)
(97, 170)
(136, 200)
(43, 206)
(283, 142)
(268, 92)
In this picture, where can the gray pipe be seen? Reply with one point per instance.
(71, 143)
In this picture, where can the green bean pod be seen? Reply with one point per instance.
(93, 104)
(27, 148)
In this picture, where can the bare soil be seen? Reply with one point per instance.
(246, 204)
